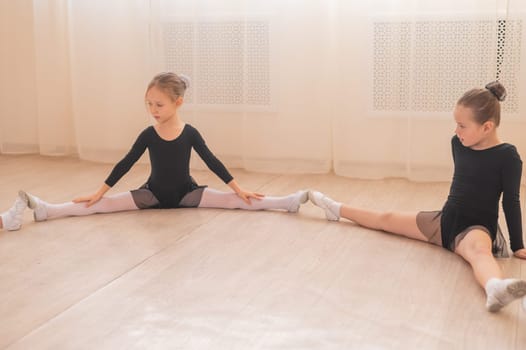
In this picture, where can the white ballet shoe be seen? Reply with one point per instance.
(502, 292)
(330, 206)
(35, 203)
(12, 219)
(300, 197)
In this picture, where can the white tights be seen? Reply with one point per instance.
(227, 200)
(211, 199)
(118, 202)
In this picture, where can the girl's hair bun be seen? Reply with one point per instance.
(497, 89)
(186, 80)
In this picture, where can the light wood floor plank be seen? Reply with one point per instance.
(231, 279)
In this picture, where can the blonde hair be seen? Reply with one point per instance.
(485, 103)
(170, 83)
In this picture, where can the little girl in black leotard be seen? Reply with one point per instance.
(485, 168)
(169, 143)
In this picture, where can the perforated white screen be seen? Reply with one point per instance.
(228, 61)
(427, 65)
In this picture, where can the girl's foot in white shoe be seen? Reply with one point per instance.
(502, 292)
(330, 206)
(12, 219)
(37, 204)
(300, 197)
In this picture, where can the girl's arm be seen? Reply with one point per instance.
(211, 161)
(244, 195)
(511, 180)
(93, 198)
(214, 164)
(119, 170)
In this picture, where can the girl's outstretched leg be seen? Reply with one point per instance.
(475, 248)
(227, 200)
(398, 223)
(44, 211)
(331, 207)
(11, 220)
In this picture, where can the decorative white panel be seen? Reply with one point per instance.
(228, 61)
(219, 63)
(509, 61)
(427, 65)
(391, 76)
(258, 63)
(179, 51)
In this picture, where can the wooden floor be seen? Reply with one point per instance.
(231, 279)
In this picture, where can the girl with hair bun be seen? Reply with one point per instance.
(485, 169)
(169, 143)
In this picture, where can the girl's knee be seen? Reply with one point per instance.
(475, 243)
(385, 220)
(480, 248)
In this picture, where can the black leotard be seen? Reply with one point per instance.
(479, 179)
(170, 176)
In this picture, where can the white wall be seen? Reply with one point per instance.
(18, 95)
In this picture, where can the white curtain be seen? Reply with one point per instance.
(361, 88)
(73, 76)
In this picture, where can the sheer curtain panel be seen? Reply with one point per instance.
(364, 89)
